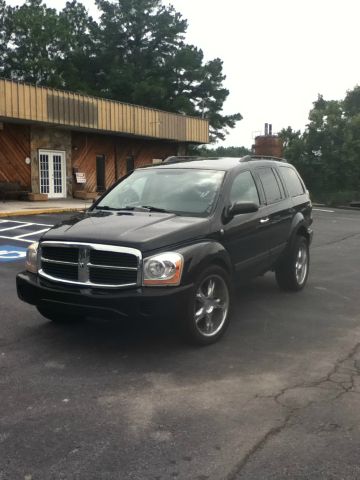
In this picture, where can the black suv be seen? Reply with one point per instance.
(171, 239)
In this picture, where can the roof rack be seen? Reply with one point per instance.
(248, 158)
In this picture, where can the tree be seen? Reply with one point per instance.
(77, 64)
(4, 36)
(327, 154)
(146, 61)
(236, 152)
(31, 33)
(135, 53)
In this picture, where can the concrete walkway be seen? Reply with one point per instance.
(12, 208)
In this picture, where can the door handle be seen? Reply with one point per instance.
(264, 220)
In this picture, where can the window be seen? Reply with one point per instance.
(270, 184)
(244, 189)
(292, 181)
(183, 191)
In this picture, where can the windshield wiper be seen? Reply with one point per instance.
(104, 207)
(117, 209)
(155, 209)
(144, 208)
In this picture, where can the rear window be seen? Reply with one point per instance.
(292, 181)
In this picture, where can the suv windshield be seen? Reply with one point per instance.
(183, 191)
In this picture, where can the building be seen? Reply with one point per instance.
(58, 144)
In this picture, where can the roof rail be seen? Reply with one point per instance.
(175, 159)
(248, 158)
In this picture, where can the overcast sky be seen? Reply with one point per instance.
(278, 54)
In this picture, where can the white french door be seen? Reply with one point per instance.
(52, 170)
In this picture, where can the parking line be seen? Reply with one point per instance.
(16, 226)
(13, 238)
(21, 224)
(31, 223)
(19, 237)
(323, 210)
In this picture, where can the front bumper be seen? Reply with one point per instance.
(142, 301)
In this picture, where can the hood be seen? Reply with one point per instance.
(145, 231)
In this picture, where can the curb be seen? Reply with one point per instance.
(345, 207)
(40, 211)
(339, 207)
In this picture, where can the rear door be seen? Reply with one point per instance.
(296, 190)
(278, 211)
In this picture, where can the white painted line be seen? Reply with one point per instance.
(16, 226)
(18, 240)
(32, 223)
(323, 210)
(19, 237)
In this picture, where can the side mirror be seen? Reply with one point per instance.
(242, 207)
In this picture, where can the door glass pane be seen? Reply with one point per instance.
(44, 173)
(244, 189)
(270, 184)
(57, 165)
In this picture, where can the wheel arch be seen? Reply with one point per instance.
(202, 255)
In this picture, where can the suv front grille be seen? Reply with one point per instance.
(91, 265)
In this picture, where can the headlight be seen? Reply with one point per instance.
(31, 263)
(163, 269)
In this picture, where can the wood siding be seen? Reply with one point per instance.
(54, 107)
(14, 148)
(86, 147)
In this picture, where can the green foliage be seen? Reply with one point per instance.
(135, 53)
(236, 152)
(327, 153)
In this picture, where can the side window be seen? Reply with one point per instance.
(244, 189)
(292, 181)
(270, 184)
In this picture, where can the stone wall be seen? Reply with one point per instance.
(48, 138)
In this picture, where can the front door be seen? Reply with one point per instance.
(52, 169)
(244, 237)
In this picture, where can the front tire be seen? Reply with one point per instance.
(208, 313)
(293, 270)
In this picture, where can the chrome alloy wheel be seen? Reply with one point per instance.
(211, 305)
(301, 264)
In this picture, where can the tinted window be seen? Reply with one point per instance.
(270, 184)
(292, 181)
(244, 189)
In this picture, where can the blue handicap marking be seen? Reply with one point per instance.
(11, 253)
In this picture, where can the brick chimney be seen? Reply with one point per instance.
(268, 144)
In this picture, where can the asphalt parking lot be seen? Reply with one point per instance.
(277, 398)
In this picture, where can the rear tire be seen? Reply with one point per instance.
(207, 315)
(293, 270)
(58, 316)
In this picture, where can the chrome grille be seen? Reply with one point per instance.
(61, 254)
(115, 259)
(108, 276)
(93, 265)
